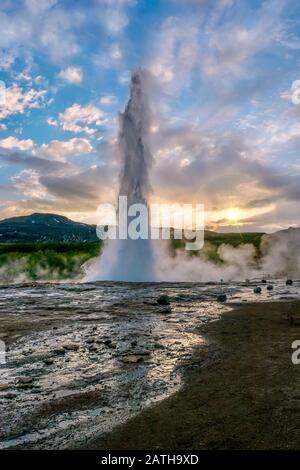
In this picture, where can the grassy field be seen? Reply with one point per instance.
(214, 240)
(58, 261)
(44, 261)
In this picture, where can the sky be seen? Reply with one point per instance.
(225, 101)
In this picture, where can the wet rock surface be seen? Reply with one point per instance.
(83, 358)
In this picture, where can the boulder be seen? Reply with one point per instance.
(163, 300)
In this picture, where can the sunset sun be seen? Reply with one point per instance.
(232, 214)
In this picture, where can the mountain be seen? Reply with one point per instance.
(51, 227)
(45, 228)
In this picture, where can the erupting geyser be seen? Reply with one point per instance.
(128, 259)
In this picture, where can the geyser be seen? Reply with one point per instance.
(127, 259)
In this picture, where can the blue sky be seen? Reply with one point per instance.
(223, 94)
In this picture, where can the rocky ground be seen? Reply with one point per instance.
(241, 392)
(115, 366)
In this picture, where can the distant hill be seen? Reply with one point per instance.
(44, 228)
(56, 228)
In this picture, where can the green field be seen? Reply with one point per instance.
(58, 260)
(214, 240)
(44, 261)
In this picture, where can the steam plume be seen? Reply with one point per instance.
(131, 260)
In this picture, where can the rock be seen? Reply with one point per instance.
(141, 352)
(264, 281)
(165, 310)
(4, 387)
(107, 342)
(270, 287)
(25, 382)
(289, 282)
(59, 351)
(163, 300)
(257, 290)
(222, 298)
(71, 347)
(48, 361)
(93, 348)
(132, 358)
(90, 340)
(9, 396)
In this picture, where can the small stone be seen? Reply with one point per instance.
(71, 347)
(48, 361)
(257, 290)
(4, 387)
(270, 287)
(25, 380)
(9, 396)
(163, 300)
(289, 282)
(264, 281)
(165, 310)
(132, 359)
(59, 351)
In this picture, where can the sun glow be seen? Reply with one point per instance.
(233, 214)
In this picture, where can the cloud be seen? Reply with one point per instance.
(113, 15)
(88, 187)
(38, 7)
(115, 52)
(18, 101)
(72, 75)
(46, 26)
(212, 40)
(58, 150)
(26, 160)
(7, 59)
(28, 183)
(175, 54)
(14, 143)
(52, 122)
(79, 118)
(108, 100)
(111, 58)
